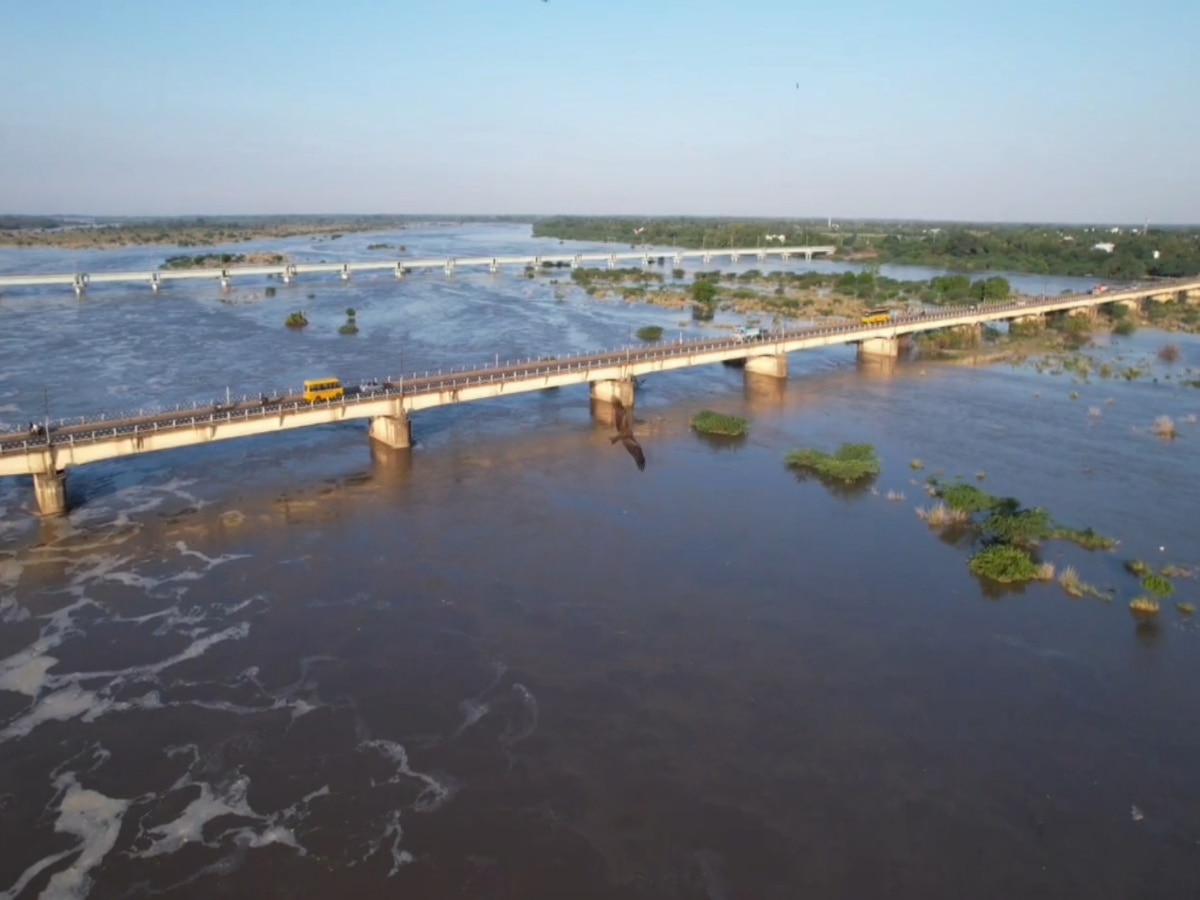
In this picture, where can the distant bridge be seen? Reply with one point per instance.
(80, 281)
(46, 456)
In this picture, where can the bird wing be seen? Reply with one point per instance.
(635, 450)
(624, 420)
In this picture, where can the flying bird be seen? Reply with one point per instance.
(625, 434)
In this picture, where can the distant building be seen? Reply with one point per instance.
(1104, 248)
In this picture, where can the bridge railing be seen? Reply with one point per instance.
(436, 382)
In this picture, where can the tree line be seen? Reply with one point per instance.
(1048, 250)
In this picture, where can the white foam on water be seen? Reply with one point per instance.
(210, 562)
(91, 817)
(526, 720)
(226, 799)
(472, 711)
(433, 795)
(25, 672)
(11, 610)
(475, 708)
(28, 672)
(73, 702)
(396, 834)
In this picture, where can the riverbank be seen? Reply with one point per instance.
(110, 237)
(1107, 253)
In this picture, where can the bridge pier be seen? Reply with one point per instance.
(618, 389)
(880, 346)
(392, 431)
(50, 488)
(773, 365)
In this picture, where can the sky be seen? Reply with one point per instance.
(1024, 110)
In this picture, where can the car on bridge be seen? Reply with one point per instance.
(746, 333)
(372, 386)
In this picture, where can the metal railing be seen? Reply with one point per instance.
(84, 431)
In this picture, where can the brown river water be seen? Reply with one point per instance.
(507, 664)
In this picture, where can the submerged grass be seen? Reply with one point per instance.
(850, 463)
(1004, 563)
(709, 422)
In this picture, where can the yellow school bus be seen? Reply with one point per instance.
(323, 389)
(879, 316)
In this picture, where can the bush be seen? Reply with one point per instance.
(709, 422)
(296, 320)
(1024, 526)
(849, 463)
(1158, 585)
(269, 291)
(1004, 563)
(967, 497)
(1087, 538)
(650, 333)
(1125, 327)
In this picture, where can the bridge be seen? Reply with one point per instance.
(288, 272)
(611, 373)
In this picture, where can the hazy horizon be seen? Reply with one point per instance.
(1034, 112)
(520, 218)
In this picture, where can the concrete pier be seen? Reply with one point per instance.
(618, 389)
(773, 365)
(50, 488)
(880, 346)
(392, 431)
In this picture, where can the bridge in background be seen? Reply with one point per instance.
(610, 374)
(287, 272)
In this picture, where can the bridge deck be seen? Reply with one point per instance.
(87, 441)
(391, 265)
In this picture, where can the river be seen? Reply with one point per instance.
(510, 665)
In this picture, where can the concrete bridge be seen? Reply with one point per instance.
(288, 272)
(610, 374)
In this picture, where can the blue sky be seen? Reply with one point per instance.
(1022, 110)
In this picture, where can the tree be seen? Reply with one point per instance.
(704, 292)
